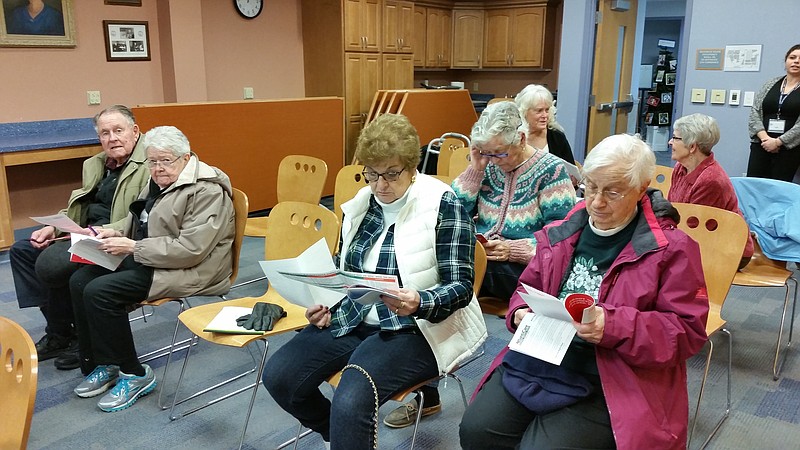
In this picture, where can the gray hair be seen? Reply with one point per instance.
(698, 129)
(532, 95)
(122, 109)
(499, 119)
(167, 138)
(626, 154)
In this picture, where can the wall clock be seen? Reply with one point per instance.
(249, 9)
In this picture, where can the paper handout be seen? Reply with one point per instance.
(225, 321)
(547, 332)
(311, 279)
(87, 247)
(60, 221)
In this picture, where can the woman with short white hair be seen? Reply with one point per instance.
(622, 382)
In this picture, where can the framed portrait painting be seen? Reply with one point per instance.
(37, 23)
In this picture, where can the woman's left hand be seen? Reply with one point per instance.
(497, 250)
(118, 245)
(405, 305)
(772, 145)
(592, 332)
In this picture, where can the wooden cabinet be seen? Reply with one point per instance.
(420, 41)
(438, 33)
(398, 71)
(398, 26)
(362, 79)
(467, 38)
(515, 37)
(362, 23)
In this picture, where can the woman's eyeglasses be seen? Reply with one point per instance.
(161, 162)
(611, 196)
(494, 155)
(371, 176)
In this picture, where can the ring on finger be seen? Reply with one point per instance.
(402, 305)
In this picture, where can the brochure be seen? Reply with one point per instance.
(85, 249)
(225, 321)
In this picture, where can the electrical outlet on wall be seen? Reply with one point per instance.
(248, 93)
(93, 97)
(475, 86)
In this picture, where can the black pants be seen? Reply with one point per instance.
(777, 166)
(101, 299)
(501, 279)
(41, 278)
(496, 420)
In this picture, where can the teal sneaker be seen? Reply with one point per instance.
(128, 389)
(97, 382)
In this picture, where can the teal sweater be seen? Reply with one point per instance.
(512, 206)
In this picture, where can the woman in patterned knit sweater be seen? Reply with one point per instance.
(513, 190)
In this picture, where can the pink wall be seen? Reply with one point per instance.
(265, 53)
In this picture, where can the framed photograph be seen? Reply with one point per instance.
(653, 101)
(666, 97)
(126, 40)
(662, 59)
(659, 76)
(669, 79)
(50, 25)
(648, 118)
(673, 64)
(124, 2)
(663, 118)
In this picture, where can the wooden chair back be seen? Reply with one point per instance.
(480, 267)
(662, 179)
(448, 146)
(19, 367)
(349, 181)
(295, 226)
(241, 204)
(722, 236)
(499, 99)
(301, 178)
(459, 161)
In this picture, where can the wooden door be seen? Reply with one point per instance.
(446, 37)
(391, 23)
(420, 42)
(527, 37)
(496, 38)
(433, 33)
(353, 36)
(406, 27)
(611, 77)
(362, 79)
(371, 24)
(398, 71)
(467, 38)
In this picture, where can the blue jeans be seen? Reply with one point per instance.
(394, 360)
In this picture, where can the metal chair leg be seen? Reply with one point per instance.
(419, 417)
(777, 365)
(702, 390)
(255, 392)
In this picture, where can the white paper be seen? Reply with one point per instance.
(225, 321)
(572, 170)
(315, 259)
(543, 338)
(60, 221)
(87, 247)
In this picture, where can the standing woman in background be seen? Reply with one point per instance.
(535, 103)
(774, 129)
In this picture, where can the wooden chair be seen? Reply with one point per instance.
(349, 181)
(722, 236)
(301, 178)
(19, 367)
(662, 179)
(459, 161)
(480, 271)
(762, 271)
(240, 205)
(294, 226)
(499, 99)
(443, 147)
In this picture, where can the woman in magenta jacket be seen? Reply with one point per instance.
(622, 383)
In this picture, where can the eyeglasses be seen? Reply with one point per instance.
(493, 155)
(611, 196)
(371, 176)
(676, 138)
(161, 162)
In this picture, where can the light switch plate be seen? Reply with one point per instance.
(248, 93)
(749, 97)
(698, 95)
(718, 96)
(733, 97)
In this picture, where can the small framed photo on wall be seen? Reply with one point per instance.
(663, 118)
(51, 24)
(126, 40)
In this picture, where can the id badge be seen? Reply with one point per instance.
(776, 126)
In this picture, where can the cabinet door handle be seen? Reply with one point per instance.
(512, 59)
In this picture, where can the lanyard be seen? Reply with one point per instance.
(782, 96)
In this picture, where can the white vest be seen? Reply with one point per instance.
(458, 336)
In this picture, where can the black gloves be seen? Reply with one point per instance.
(262, 318)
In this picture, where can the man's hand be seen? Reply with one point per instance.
(41, 237)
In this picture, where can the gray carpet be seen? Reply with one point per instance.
(765, 412)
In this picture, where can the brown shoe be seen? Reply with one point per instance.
(406, 414)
